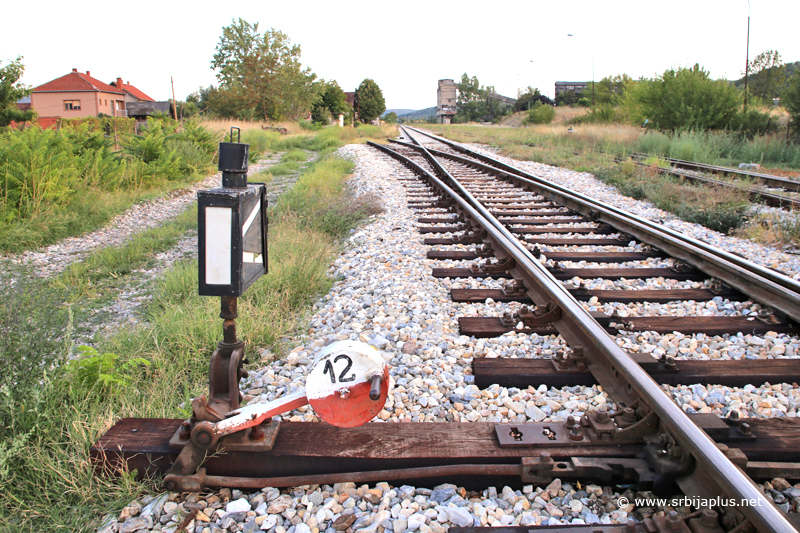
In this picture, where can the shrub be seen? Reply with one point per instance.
(311, 126)
(686, 98)
(602, 114)
(791, 99)
(754, 122)
(540, 114)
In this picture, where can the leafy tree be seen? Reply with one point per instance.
(390, 118)
(568, 98)
(200, 97)
(527, 99)
(320, 113)
(263, 71)
(767, 75)
(610, 90)
(12, 90)
(370, 101)
(335, 100)
(229, 102)
(791, 100)
(471, 100)
(684, 98)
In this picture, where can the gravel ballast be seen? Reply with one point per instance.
(385, 295)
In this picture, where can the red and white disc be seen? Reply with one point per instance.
(338, 386)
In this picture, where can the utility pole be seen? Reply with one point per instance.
(174, 103)
(747, 58)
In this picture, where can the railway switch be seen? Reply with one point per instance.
(347, 386)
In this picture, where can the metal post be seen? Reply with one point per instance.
(747, 59)
(228, 313)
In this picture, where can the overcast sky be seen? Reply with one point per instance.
(404, 46)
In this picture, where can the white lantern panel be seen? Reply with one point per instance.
(218, 245)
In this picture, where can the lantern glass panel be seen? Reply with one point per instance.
(252, 244)
(218, 245)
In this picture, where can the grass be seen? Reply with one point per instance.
(773, 229)
(83, 279)
(721, 209)
(90, 211)
(49, 418)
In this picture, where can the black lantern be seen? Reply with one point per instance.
(232, 227)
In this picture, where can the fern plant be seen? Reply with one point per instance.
(103, 372)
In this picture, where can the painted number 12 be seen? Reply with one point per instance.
(342, 378)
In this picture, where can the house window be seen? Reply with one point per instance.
(72, 105)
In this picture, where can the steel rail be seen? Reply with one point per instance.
(771, 199)
(576, 322)
(777, 182)
(767, 286)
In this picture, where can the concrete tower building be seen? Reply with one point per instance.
(445, 101)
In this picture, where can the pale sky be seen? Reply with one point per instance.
(404, 46)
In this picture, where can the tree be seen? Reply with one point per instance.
(471, 100)
(610, 90)
(12, 90)
(335, 99)
(568, 97)
(767, 75)
(527, 99)
(791, 100)
(390, 118)
(371, 104)
(686, 98)
(264, 72)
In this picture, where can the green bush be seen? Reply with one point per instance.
(686, 98)
(311, 126)
(602, 114)
(791, 100)
(192, 158)
(540, 114)
(102, 374)
(754, 122)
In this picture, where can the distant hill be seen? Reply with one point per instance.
(422, 114)
(398, 111)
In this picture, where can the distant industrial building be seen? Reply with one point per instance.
(570, 87)
(445, 101)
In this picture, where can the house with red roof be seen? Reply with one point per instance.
(80, 95)
(132, 94)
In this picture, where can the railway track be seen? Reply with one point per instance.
(771, 181)
(511, 216)
(548, 239)
(764, 193)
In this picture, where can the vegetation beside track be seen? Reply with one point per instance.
(596, 149)
(60, 183)
(52, 410)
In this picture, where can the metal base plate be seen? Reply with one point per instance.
(240, 441)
